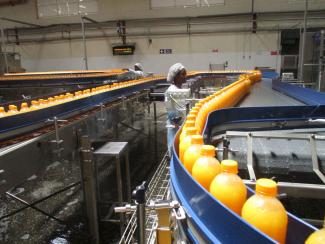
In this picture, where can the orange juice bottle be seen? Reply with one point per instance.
(186, 142)
(206, 167)
(188, 123)
(318, 237)
(193, 112)
(24, 107)
(193, 152)
(265, 211)
(51, 101)
(35, 105)
(228, 187)
(12, 110)
(2, 112)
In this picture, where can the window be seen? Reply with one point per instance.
(184, 3)
(54, 8)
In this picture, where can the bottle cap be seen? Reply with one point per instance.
(23, 106)
(194, 112)
(197, 139)
(35, 103)
(190, 117)
(229, 166)
(191, 131)
(189, 123)
(208, 150)
(266, 187)
(12, 107)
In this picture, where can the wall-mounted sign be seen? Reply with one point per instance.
(123, 50)
(166, 51)
(215, 50)
(273, 53)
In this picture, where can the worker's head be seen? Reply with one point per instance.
(177, 74)
(138, 66)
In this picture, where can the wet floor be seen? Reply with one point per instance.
(62, 217)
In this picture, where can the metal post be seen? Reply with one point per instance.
(155, 111)
(4, 49)
(140, 199)
(128, 177)
(84, 41)
(321, 60)
(225, 145)
(120, 190)
(89, 186)
(302, 54)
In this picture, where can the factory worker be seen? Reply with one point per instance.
(175, 101)
(138, 70)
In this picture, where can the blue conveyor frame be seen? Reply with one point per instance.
(208, 219)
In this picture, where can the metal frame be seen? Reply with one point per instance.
(117, 150)
(276, 135)
(158, 189)
(39, 151)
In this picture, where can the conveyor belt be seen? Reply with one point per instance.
(262, 94)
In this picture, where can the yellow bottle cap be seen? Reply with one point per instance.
(194, 112)
(190, 117)
(266, 187)
(197, 139)
(23, 105)
(35, 103)
(189, 123)
(191, 131)
(208, 150)
(229, 166)
(12, 107)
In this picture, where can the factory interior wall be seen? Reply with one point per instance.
(139, 9)
(240, 50)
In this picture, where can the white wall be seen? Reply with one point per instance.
(242, 51)
(138, 9)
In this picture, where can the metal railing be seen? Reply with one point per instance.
(157, 190)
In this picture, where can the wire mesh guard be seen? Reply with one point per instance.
(157, 190)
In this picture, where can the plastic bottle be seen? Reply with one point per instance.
(51, 101)
(228, 187)
(24, 107)
(206, 166)
(2, 112)
(188, 123)
(35, 105)
(265, 211)
(186, 142)
(194, 112)
(12, 110)
(189, 117)
(318, 237)
(193, 152)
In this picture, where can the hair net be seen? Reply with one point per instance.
(139, 66)
(173, 72)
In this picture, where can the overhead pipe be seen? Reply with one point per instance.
(157, 34)
(260, 15)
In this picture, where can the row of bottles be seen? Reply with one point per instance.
(221, 179)
(62, 98)
(262, 210)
